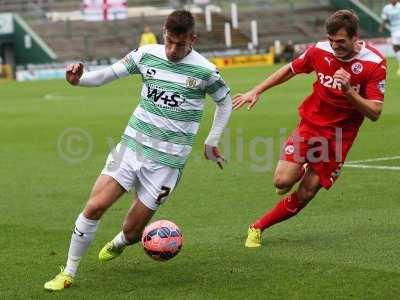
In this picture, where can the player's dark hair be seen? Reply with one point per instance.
(345, 19)
(180, 22)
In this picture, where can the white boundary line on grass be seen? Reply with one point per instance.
(394, 168)
(60, 97)
(357, 163)
(374, 159)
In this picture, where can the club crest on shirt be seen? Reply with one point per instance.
(127, 59)
(289, 149)
(381, 86)
(191, 82)
(357, 68)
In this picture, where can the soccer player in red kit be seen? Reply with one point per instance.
(350, 82)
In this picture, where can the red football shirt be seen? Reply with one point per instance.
(327, 107)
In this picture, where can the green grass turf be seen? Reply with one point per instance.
(345, 245)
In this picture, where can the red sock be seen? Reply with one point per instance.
(285, 209)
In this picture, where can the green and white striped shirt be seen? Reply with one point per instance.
(164, 125)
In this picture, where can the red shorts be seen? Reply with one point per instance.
(324, 153)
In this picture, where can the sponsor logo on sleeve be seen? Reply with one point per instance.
(127, 59)
(381, 86)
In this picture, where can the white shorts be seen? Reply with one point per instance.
(152, 181)
(395, 37)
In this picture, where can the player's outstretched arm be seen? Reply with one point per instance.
(251, 97)
(221, 118)
(76, 76)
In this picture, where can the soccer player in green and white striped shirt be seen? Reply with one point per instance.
(157, 140)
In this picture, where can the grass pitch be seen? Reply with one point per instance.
(344, 245)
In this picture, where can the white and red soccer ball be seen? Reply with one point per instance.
(162, 240)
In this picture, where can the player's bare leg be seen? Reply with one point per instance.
(286, 208)
(135, 221)
(105, 192)
(287, 174)
(308, 187)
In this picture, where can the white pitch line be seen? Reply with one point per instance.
(60, 97)
(393, 168)
(373, 159)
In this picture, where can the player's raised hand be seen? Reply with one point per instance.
(212, 153)
(343, 77)
(74, 73)
(251, 97)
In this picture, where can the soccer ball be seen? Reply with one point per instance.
(162, 240)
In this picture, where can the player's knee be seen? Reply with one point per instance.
(95, 209)
(282, 182)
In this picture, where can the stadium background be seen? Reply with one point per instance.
(344, 246)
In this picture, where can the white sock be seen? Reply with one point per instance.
(120, 241)
(82, 236)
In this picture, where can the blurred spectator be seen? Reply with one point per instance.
(288, 51)
(391, 16)
(277, 51)
(147, 37)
